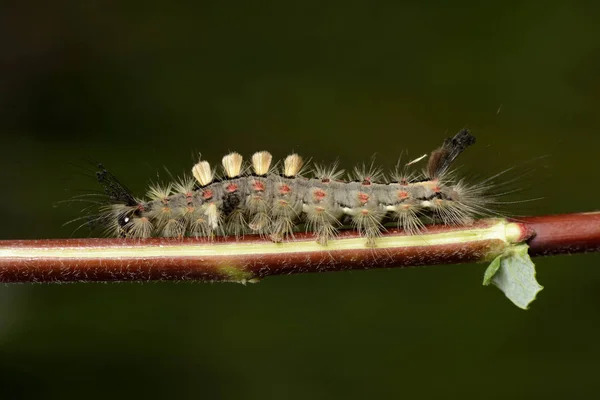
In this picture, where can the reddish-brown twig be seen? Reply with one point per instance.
(252, 258)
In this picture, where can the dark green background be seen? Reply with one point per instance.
(140, 86)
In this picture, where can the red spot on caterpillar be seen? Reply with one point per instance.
(284, 189)
(319, 194)
(141, 208)
(366, 181)
(188, 197)
(363, 197)
(232, 187)
(436, 189)
(258, 186)
(283, 203)
(207, 194)
(364, 211)
(402, 195)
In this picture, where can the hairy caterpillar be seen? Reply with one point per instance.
(275, 201)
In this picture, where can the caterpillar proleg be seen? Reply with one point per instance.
(260, 198)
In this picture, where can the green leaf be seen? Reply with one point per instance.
(491, 271)
(514, 273)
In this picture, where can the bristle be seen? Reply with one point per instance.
(261, 162)
(199, 226)
(416, 160)
(328, 173)
(160, 193)
(323, 221)
(292, 165)
(368, 174)
(232, 164)
(402, 175)
(407, 217)
(173, 228)
(260, 223)
(258, 211)
(184, 185)
(160, 215)
(236, 224)
(286, 210)
(450, 213)
(282, 228)
(139, 228)
(367, 221)
(203, 173)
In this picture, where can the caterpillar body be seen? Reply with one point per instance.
(275, 201)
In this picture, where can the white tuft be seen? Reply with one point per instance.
(261, 161)
(292, 165)
(203, 174)
(212, 215)
(232, 164)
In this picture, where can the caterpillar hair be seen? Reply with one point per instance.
(272, 201)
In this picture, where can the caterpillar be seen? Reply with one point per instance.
(276, 200)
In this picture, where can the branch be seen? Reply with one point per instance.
(251, 258)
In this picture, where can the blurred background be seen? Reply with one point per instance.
(143, 85)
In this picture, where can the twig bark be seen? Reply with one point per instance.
(251, 258)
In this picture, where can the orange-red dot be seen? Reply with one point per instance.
(207, 194)
(364, 211)
(231, 188)
(363, 197)
(319, 194)
(284, 189)
(402, 194)
(258, 186)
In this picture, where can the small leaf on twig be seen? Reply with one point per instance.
(513, 272)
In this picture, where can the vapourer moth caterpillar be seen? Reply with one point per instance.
(274, 201)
